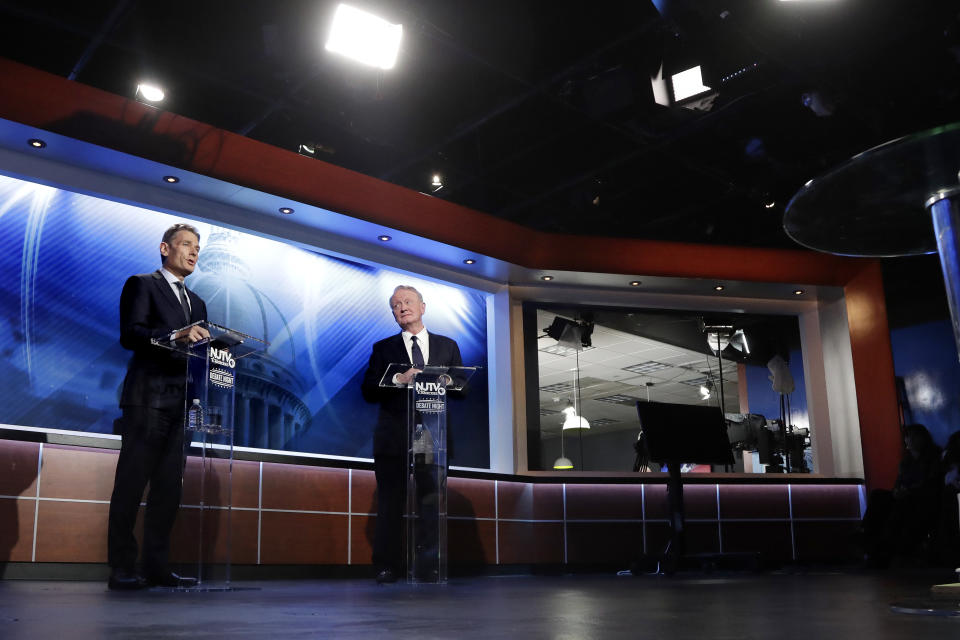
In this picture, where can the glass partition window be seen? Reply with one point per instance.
(594, 365)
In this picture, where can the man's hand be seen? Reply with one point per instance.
(191, 334)
(407, 376)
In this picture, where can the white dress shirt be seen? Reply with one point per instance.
(423, 339)
(172, 280)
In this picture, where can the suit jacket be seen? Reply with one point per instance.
(390, 433)
(149, 309)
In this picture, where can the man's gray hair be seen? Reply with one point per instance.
(405, 287)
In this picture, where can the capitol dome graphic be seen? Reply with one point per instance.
(268, 411)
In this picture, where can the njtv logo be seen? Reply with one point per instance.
(434, 388)
(222, 357)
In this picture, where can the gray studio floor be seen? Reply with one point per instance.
(790, 604)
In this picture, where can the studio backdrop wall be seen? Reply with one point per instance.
(65, 257)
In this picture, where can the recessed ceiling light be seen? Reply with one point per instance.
(286, 210)
(634, 283)
(384, 238)
(36, 143)
(798, 292)
(546, 278)
(719, 287)
(469, 261)
(770, 204)
(171, 179)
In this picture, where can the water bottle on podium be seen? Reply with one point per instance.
(195, 416)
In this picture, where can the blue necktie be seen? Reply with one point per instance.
(417, 354)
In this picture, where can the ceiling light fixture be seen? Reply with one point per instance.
(635, 283)
(150, 93)
(469, 261)
(546, 278)
(436, 183)
(574, 421)
(770, 204)
(36, 143)
(719, 287)
(384, 238)
(286, 210)
(706, 390)
(171, 179)
(364, 37)
(798, 292)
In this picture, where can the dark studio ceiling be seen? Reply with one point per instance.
(542, 112)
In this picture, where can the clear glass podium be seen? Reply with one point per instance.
(426, 510)
(208, 425)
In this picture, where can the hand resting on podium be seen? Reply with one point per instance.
(407, 377)
(193, 333)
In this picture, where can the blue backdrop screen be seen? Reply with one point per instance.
(66, 256)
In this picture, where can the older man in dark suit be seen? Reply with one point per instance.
(413, 345)
(153, 306)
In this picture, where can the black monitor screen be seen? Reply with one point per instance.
(685, 433)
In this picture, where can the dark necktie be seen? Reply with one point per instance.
(183, 300)
(416, 353)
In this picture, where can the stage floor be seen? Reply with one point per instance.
(791, 604)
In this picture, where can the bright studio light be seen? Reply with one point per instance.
(364, 37)
(150, 92)
(687, 84)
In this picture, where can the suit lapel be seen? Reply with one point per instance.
(399, 351)
(173, 302)
(173, 305)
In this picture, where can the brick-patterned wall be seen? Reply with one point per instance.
(54, 501)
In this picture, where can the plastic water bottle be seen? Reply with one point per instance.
(195, 416)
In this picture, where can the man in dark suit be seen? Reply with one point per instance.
(153, 305)
(418, 348)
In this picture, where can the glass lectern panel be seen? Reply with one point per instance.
(426, 511)
(208, 426)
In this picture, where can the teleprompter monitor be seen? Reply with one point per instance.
(688, 433)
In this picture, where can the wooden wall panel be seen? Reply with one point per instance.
(528, 501)
(72, 531)
(472, 542)
(18, 468)
(288, 486)
(754, 501)
(826, 501)
(471, 498)
(63, 466)
(771, 539)
(363, 492)
(16, 529)
(361, 539)
(531, 543)
(603, 502)
(303, 538)
(604, 542)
